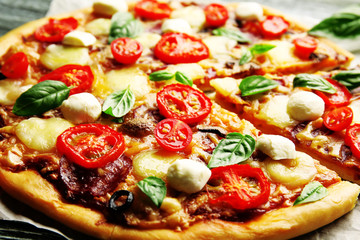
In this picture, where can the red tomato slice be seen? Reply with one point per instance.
(273, 26)
(305, 46)
(252, 27)
(55, 30)
(173, 134)
(91, 145)
(80, 78)
(340, 98)
(15, 66)
(184, 103)
(180, 48)
(126, 50)
(352, 139)
(338, 119)
(237, 191)
(152, 9)
(216, 15)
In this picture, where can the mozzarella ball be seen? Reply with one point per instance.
(109, 7)
(81, 108)
(249, 11)
(187, 175)
(79, 39)
(275, 146)
(305, 106)
(176, 25)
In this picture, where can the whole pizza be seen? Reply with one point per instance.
(179, 120)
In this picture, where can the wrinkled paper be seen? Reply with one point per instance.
(344, 228)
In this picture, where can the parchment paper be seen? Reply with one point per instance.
(345, 228)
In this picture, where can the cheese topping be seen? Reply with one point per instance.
(275, 146)
(194, 15)
(188, 176)
(249, 11)
(79, 39)
(176, 25)
(81, 108)
(304, 106)
(109, 7)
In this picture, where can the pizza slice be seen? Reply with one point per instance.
(319, 112)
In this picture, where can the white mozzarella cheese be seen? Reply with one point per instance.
(148, 39)
(275, 146)
(194, 15)
(219, 46)
(81, 108)
(188, 176)
(225, 86)
(176, 25)
(249, 11)
(79, 39)
(305, 106)
(109, 7)
(100, 26)
(10, 90)
(355, 106)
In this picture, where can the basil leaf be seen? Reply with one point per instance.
(232, 34)
(343, 24)
(182, 78)
(161, 76)
(350, 78)
(313, 82)
(256, 84)
(123, 24)
(261, 48)
(246, 57)
(119, 103)
(235, 148)
(41, 98)
(312, 192)
(154, 188)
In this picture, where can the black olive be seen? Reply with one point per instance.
(115, 208)
(212, 129)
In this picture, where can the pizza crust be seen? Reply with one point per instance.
(30, 188)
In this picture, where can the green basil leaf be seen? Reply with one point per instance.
(256, 84)
(123, 24)
(182, 78)
(233, 149)
(161, 76)
(154, 188)
(343, 24)
(261, 48)
(119, 103)
(313, 82)
(350, 78)
(246, 57)
(232, 34)
(312, 192)
(41, 98)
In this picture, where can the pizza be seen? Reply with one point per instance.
(173, 120)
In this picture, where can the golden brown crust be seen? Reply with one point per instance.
(31, 188)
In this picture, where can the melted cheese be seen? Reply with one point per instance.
(194, 15)
(282, 54)
(100, 26)
(129, 76)
(40, 134)
(10, 90)
(225, 86)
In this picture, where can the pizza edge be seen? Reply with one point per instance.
(30, 188)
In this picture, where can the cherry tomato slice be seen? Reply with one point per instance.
(152, 9)
(237, 191)
(338, 119)
(352, 139)
(15, 66)
(340, 98)
(91, 145)
(55, 29)
(126, 50)
(79, 77)
(184, 103)
(252, 27)
(273, 26)
(216, 15)
(173, 134)
(305, 46)
(180, 48)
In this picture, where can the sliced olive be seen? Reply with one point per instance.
(115, 207)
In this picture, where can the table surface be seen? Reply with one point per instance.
(14, 13)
